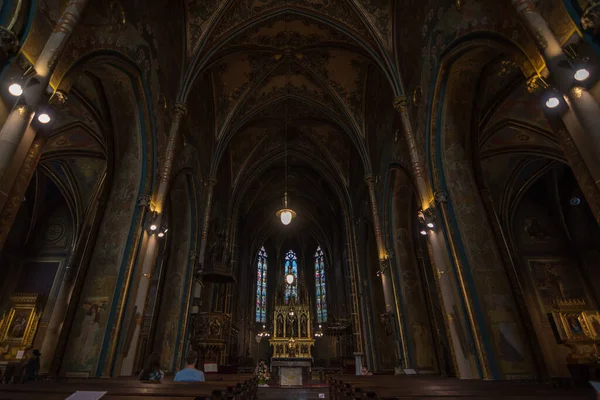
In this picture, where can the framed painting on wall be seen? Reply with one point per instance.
(19, 325)
(592, 319)
(572, 326)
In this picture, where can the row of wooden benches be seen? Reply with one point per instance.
(235, 387)
(350, 387)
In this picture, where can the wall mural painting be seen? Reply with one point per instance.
(476, 239)
(168, 345)
(111, 245)
(415, 316)
(425, 358)
(512, 353)
(87, 342)
(555, 279)
(172, 308)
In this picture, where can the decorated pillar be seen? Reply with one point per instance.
(581, 102)
(424, 193)
(33, 93)
(17, 193)
(387, 279)
(140, 288)
(451, 299)
(81, 250)
(9, 43)
(354, 295)
(203, 239)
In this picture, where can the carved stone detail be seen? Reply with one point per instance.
(590, 20)
(441, 196)
(9, 44)
(144, 200)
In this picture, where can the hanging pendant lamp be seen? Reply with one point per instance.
(285, 214)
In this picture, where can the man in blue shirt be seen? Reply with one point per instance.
(190, 373)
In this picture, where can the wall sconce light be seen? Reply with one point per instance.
(319, 333)
(427, 220)
(44, 117)
(15, 89)
(581, 74)
(154, 219)
(579, 63)
(162, 232)
(552, 101)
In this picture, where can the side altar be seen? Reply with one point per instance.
(292, 342)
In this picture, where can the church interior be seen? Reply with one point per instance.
(358, 195)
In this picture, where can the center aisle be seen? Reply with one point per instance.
(293, 393)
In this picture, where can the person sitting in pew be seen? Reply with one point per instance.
(151, 370)
(190, 373)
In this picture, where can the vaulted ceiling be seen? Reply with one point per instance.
(251, 64)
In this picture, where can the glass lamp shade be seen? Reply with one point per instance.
(582, 74)
(15, 89)
(286, 215)
(289, 278)
(552, 102)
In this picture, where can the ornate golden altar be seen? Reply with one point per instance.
(292, 336)
(292, 342)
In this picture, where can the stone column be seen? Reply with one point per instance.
(386, 276)
(203, 239)
(354, 289)
(140, 292)
(17, 193)
(401, 106)
(581, 102)
(56, 318)
(437, 246)
(27, 105)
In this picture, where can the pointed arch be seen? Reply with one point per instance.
(261, 286)
(291, 266)
(320, 288)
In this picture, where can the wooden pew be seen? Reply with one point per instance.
(226, 387)
(347, 387)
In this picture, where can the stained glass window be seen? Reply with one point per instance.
(261, 286)
(291, 264)
(320, 286)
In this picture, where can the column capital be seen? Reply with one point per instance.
(212, 181)
(144, 200)
(400, 103)
(9, 43)
(179, 109)
(370, 178)
(441, 196)
(523, 5)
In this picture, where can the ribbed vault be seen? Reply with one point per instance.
(251, 64)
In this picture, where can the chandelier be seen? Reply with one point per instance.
(285, 214)
(319, 333)
(263, 333)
